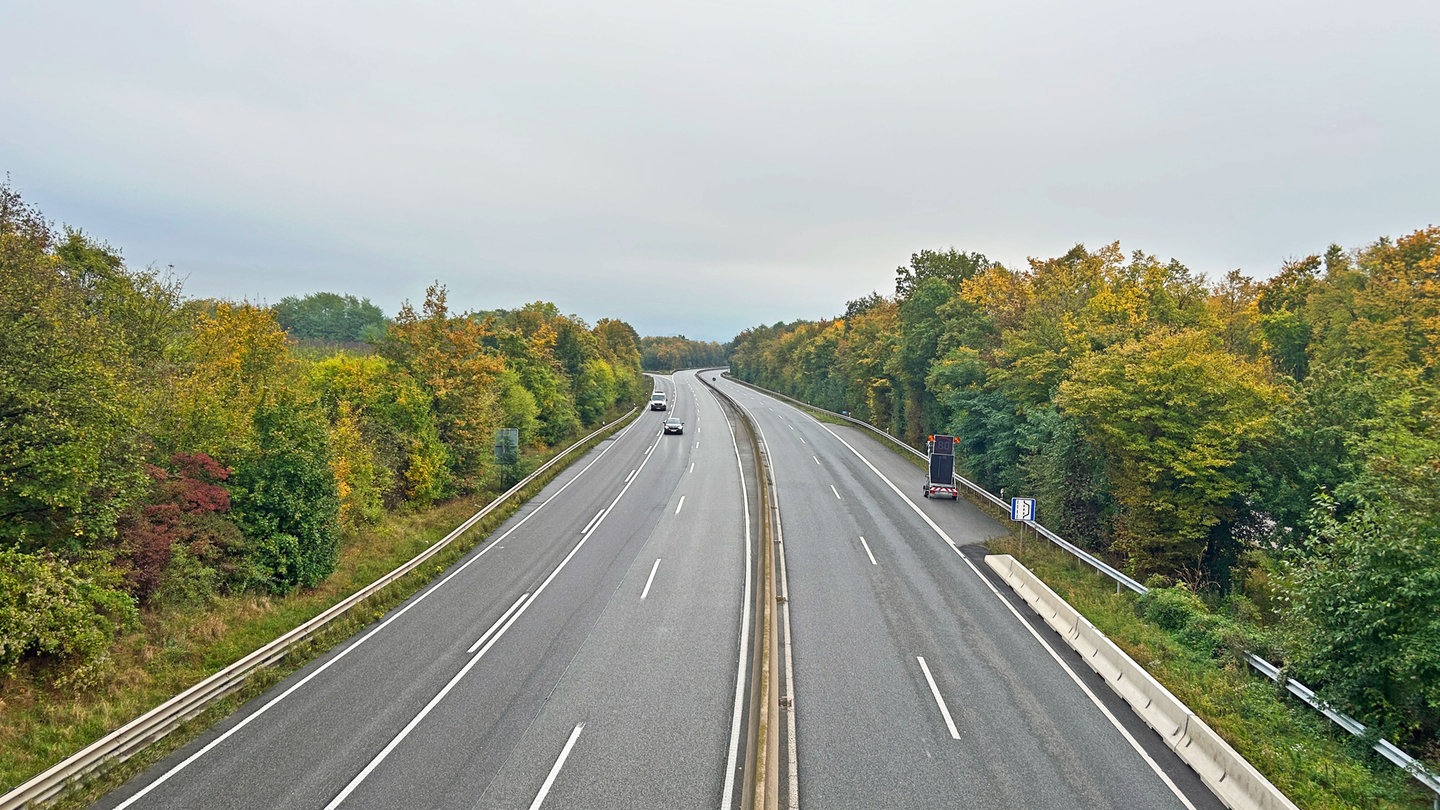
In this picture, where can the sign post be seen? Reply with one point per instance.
(507, 455)
(1023, 511)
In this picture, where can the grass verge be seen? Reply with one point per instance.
(175, 648)
(1314, 763)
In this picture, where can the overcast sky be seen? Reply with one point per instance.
(698, 168)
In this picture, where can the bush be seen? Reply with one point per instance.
(188, 582)
(1182, 613)
(52, 608)
(286, 499)
(184, 514)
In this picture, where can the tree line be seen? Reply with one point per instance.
(1274, 443)
(678, 351)
(159, 450)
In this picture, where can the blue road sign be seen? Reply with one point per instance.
(1022, 508)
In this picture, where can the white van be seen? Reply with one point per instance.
(657, 401)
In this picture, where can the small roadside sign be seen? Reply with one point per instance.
(1022, 508)
(507, 445)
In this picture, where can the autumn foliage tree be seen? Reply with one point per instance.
(1187, 429)
(1171, 415)
(448, 356)
(70, 425)
(176, 542)
(159, 452)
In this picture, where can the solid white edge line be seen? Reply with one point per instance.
(867, 550)
(653, 569)
(737, 717)
(409, 727)
(1114, 721)
(493, 544)
(939, 701)
(680, 505)
(555, 770)
(496, 625)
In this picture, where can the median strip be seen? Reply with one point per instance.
(761, 762)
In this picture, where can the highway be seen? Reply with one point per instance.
(916, 684)
(591, 654)
(594, 652)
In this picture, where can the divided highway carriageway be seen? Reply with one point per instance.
(602, 649)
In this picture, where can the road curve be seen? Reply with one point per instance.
(586, 655)
(916, 683)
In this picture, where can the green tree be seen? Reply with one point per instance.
(52, 607)
(518, 408)
(526, 337)
(1362, 621)
(330, 317)
(70, 444)
(1067, 475)
(921, 329)
(950, 267)
(1173, 413)
(677, 352)
(1283, 318)
(285, 496)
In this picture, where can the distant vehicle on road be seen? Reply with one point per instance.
(657, 401)
(673, 425)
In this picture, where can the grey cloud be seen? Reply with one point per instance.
(704, 167)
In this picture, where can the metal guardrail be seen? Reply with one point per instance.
(1084, 556)
(1385, 748)
(132, 737)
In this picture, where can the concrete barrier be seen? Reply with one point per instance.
(1229, 776)
(1232, 779)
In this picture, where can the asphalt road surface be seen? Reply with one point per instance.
(916, 684)
(593, 653)
(587, 655)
